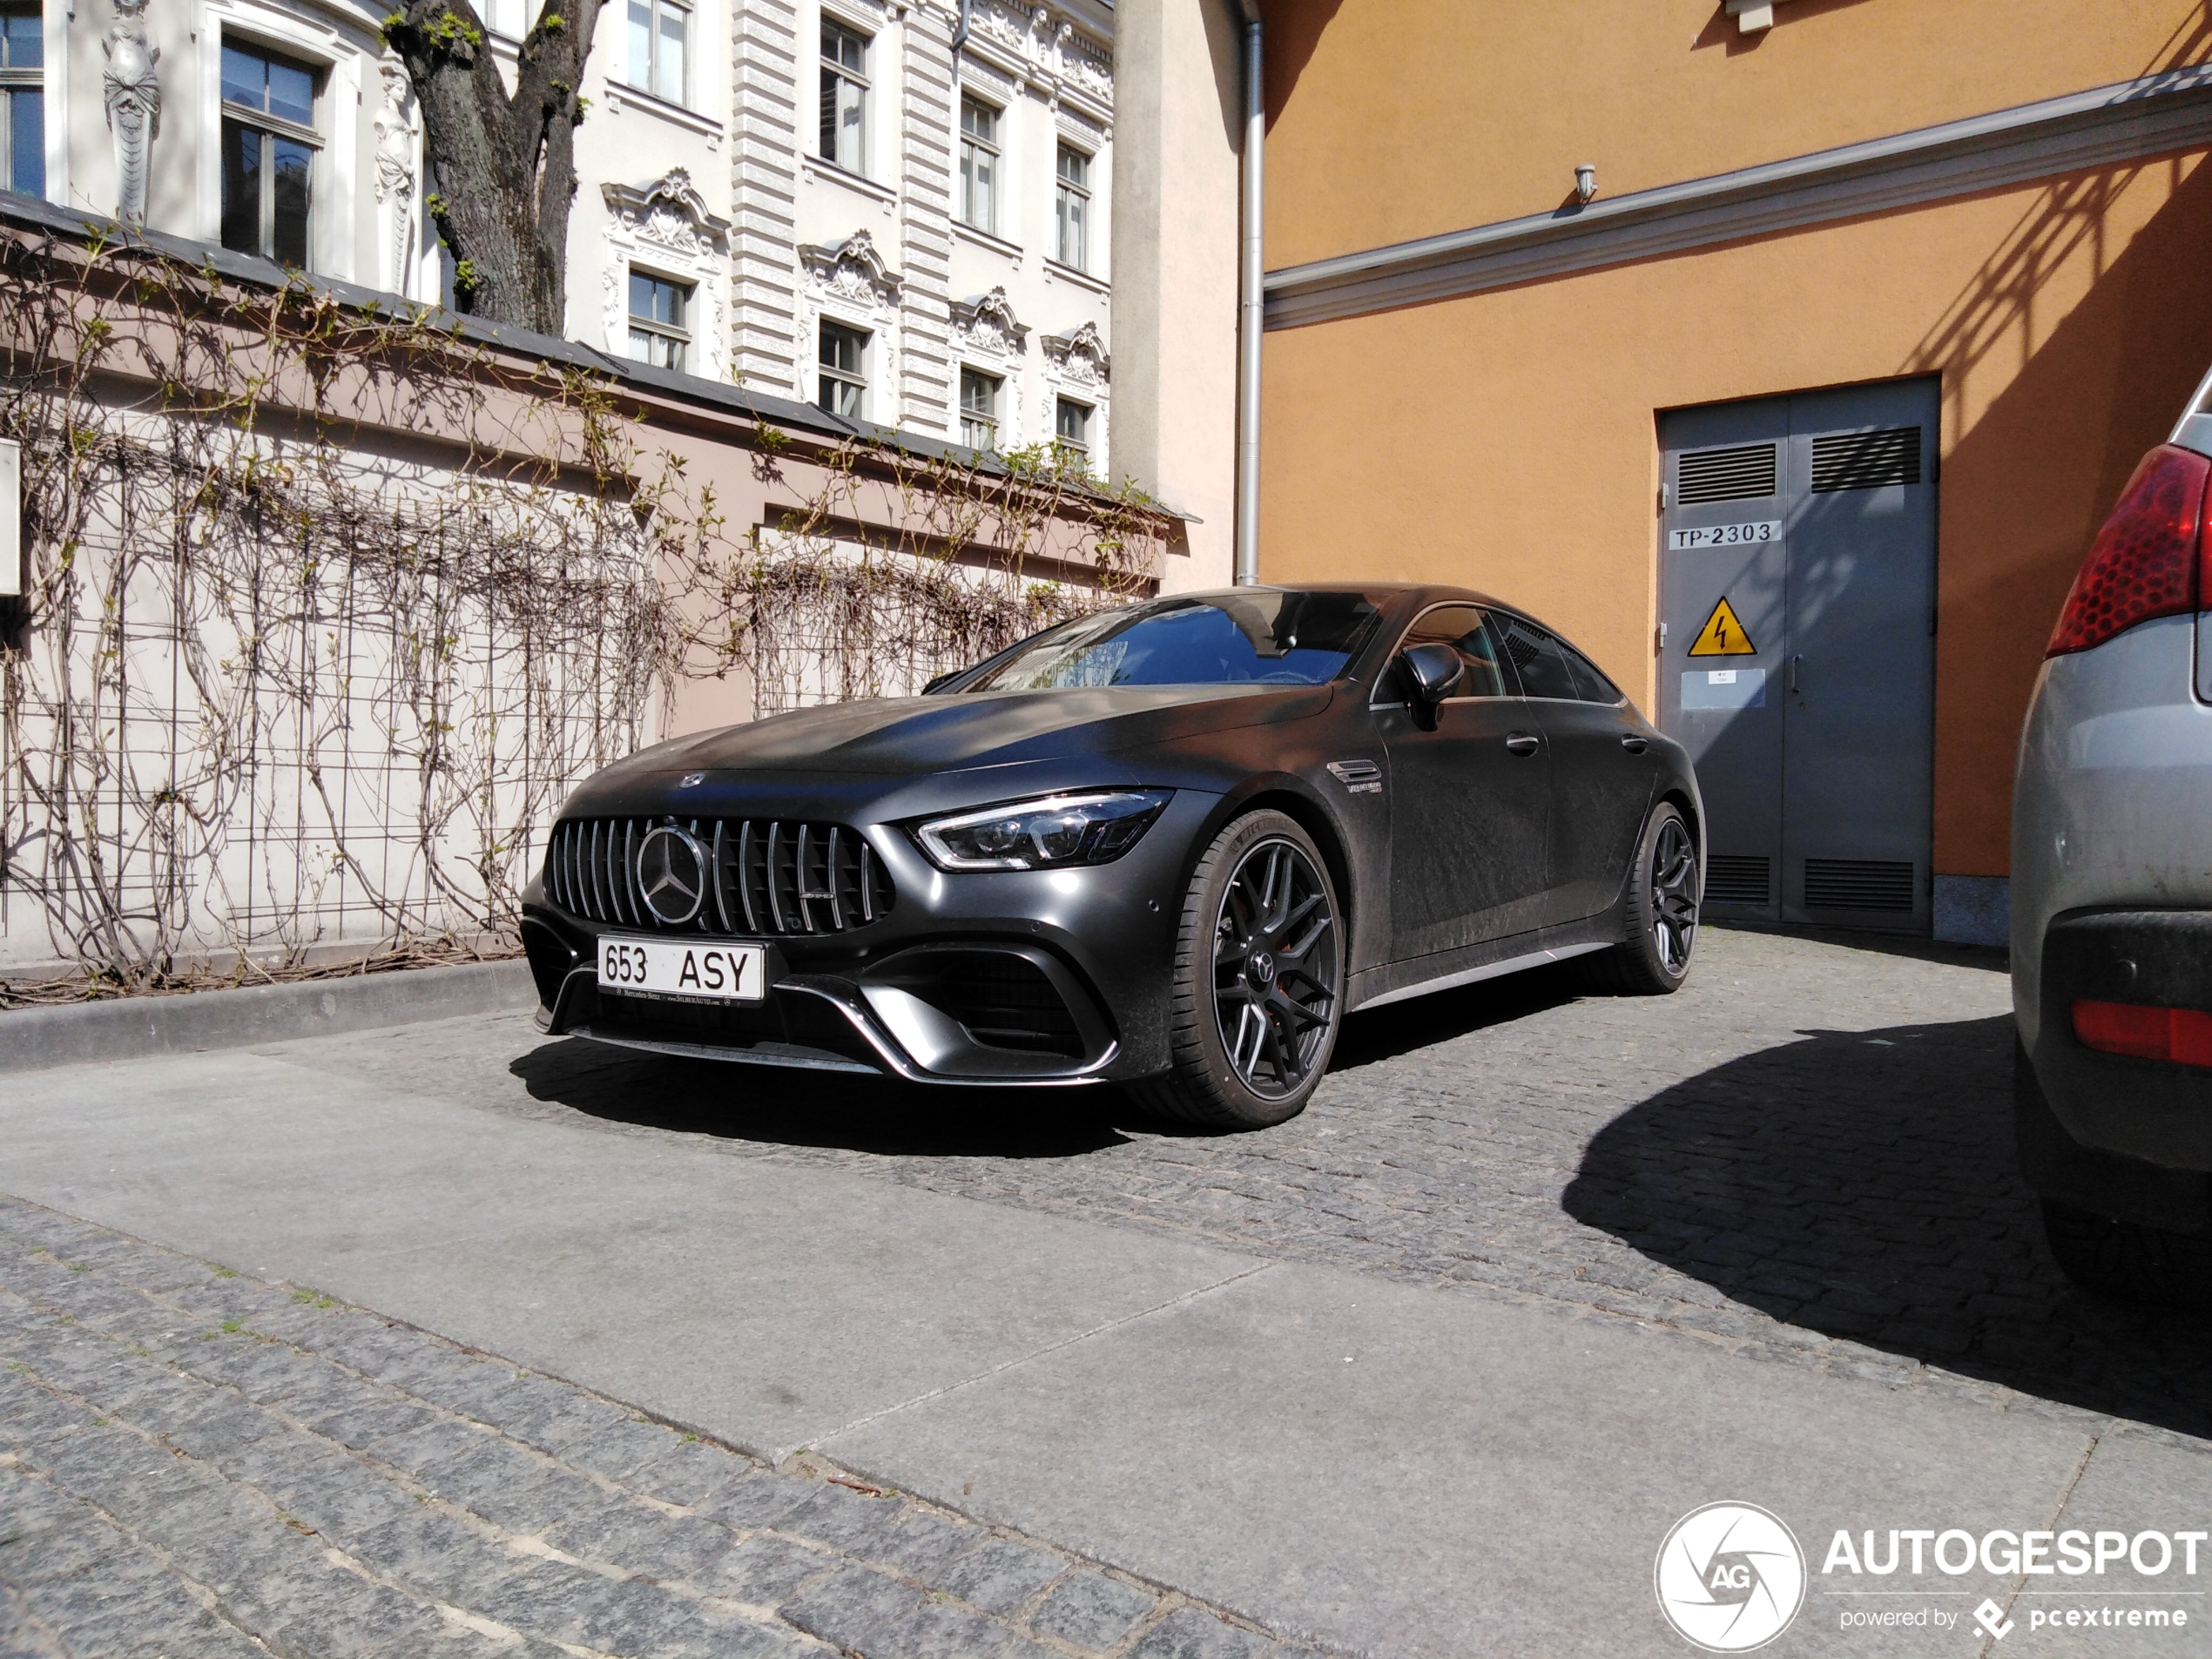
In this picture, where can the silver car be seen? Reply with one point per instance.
(2112, 895)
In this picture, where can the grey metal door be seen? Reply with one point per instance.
(1797, 594)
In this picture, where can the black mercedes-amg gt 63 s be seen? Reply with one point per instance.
(1170, 845)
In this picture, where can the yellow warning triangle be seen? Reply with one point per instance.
(1723, 634)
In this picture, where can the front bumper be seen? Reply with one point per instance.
(1007, 978)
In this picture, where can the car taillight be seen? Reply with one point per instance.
(2183, 1035)
(2144, 561)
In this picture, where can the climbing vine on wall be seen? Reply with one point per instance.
(328, 610)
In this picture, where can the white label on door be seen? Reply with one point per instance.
(1768, 529)
(1720, 677)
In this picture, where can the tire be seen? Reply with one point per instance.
(1260, 949)
(2127, 1261)
(1665, 886)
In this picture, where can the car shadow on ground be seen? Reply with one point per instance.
(789, 1107)
(1863, 1185)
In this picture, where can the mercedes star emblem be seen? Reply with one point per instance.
(691, 779)
(672, 874)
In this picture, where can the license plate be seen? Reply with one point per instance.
(1729, 534)
(685, 968)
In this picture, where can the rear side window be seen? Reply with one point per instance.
(1461, 628)
(1542, 662)
(1589, 678)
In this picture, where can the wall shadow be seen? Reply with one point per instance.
(1720, 29)
(1293, 30)
(1863, 1185)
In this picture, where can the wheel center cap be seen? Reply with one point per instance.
(1260, 969)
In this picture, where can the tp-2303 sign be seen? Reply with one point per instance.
(1767, 530)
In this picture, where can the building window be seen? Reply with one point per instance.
(844, 96)
(269, 144)
(1071, 207)
(660, 36)
(979, 164)
(22, 89)
(656, 332)
(1071, 425)
(843, 376)
(979, 408)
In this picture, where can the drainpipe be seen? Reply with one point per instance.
(1250, 303)
(960, 34)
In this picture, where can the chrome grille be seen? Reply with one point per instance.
(772, 876)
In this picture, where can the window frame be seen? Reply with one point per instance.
(862, 80)
(1061, 440)
(15, 80)
(270, 127)
(1067, 191)
(972, 143)
(677, 334)
(651, 85)
(987, 417)
(826, 374)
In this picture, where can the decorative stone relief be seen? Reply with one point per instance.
(987, 326)
(853, 271)
(668, 226)
(395, 176)
(133, 106)
(1079, 355)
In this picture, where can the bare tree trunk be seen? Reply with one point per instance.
(505, 163)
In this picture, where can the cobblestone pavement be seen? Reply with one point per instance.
(1806, 1155)
(193, 1463)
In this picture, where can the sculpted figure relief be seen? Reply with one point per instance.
(395, 174)
(133, 104)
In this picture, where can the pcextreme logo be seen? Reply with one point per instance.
(1730, 1577)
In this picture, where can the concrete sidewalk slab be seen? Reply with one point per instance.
(1482, 1472)
(772, 1306)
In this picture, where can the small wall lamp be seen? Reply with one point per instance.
(1586, 181)
(1751, 16)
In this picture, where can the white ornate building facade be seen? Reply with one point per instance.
(898, 209)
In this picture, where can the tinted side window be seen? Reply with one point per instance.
(1459, 627)
(1544, 672)
(1591, 681)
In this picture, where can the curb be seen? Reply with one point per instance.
(139, 1028)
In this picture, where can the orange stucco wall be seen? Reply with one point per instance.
(1390, 119)
(1508, 439)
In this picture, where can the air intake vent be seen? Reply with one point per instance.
(1866, 460)
(1741, 474)
(1734, 879)
(1857, 884)
(769, 876)
(1006, 1001)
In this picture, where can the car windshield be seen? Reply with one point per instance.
(1265, 637)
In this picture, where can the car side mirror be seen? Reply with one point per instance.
(932, 687)
(1433, 672)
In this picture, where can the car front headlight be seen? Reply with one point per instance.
(1051, 833)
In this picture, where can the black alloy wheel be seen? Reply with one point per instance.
(1258, 980)
(1664, 888)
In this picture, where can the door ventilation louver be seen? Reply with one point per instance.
(772, 876)
(1857, 884)
(1866, 460)
(1735, 878)
(1741, 474)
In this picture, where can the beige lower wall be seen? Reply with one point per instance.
(1509, 441)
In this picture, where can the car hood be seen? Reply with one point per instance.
(909, 736)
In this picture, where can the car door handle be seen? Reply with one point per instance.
(1523, 744)
(1634, 745)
